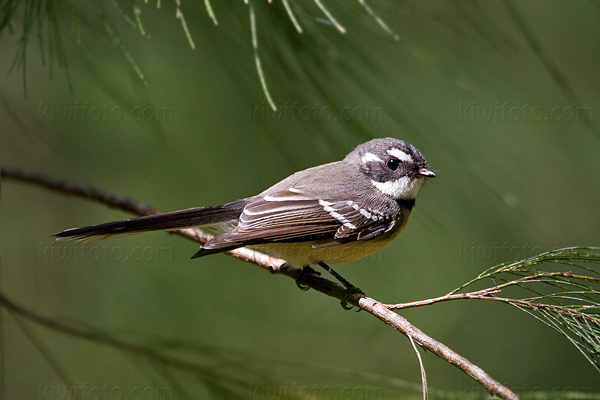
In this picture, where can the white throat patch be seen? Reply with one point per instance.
(403, 188)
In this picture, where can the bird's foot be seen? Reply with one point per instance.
(351, 290)
(300, 279)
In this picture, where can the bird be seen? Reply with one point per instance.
(328, 214)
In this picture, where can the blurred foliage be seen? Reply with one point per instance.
(159, 103)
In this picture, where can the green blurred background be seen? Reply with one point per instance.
(501, 97)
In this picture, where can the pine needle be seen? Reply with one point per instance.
(179, 15)
(261, 74)
(137, 12)
(378, 19)
(119, 44)
(566, 301)
(290, 13)
(210, 11)
(330, 17)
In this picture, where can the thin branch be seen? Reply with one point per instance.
(43, 351)
(401, 324)
(488, 294)
(422, 367)
(274, 265)
(78, 331)
(565, 301)
(479, 294)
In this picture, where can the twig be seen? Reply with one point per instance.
(422, 367)
(439, 349)
(39, 346)
(278, 266)
(488, 294)
(480, 294)
(83, 333)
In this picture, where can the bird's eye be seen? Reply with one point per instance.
(393, 164)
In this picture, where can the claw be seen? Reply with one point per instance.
(350, 288)
(345, 305)
(350, 291)
(300, 279)
(302, 286)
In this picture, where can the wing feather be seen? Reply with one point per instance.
(293, 216)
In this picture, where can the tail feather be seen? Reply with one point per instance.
(188, 218)
(223, 243)
(204, 252)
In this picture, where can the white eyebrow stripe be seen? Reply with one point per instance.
(370, 157)
(400, 155)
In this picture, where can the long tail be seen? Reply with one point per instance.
(188, 218)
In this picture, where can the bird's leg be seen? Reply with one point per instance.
(350, 288)
(307, 270)
(337, 276)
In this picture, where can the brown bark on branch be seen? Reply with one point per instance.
(278, 266)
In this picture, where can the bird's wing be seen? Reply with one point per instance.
(293, 216)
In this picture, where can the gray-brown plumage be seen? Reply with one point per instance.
(331, 213)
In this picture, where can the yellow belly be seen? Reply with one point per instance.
(302, 253)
